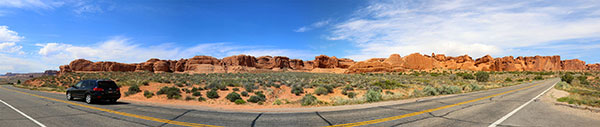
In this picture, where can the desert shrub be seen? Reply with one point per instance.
(249, 87)
(179, 84)
(475, 87)
(466, 75)
(145, 83)
(148, 94)
(194, 89)
(240, 101)
(567, 78)
(236, 89)
(212, 94)
(389, 92)
(562, 85)
(297, 90)
(187, 98)
(201, 99)
(233, 96)
(309, 99)
(373, 96)
(244, 93)
(260, 94)
(197, 94)
(387, 84)
(508, 79)
(255, 99)
(133, 90)
(539, 77)
(482, 76)
(376, 88)
(448, 89)
(321, 91)
(583, 80)
(171, 92)
(351, 94)
(430, 91)
(277, 102)
(18, 81)
(217, 85)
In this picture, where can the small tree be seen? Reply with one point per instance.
(567, 78)
(18, 81)
(482, 76)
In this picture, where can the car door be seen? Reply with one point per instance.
(76, 92)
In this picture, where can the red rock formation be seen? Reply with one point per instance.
(240, 60)
(323, 61)
(296, 64)
(574, 64)
(326, 64)
(419, 62)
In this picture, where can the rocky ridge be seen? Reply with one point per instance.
(326, 64)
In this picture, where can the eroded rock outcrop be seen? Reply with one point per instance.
(326, 64)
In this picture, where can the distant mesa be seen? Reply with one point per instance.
(326, 64)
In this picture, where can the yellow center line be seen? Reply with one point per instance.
(120, 113)
(424, 111)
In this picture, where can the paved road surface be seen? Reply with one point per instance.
(471, 109)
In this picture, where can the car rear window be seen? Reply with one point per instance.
(107, 84)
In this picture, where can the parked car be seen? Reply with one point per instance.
(92, 91)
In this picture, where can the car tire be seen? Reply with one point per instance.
(88, 99)
(112, 101)
(69, 96)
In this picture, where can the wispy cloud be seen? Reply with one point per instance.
(122, 49)
(457, 27)
(313, 26)
(7, 35)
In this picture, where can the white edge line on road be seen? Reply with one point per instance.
(35, 121)
(519, 108)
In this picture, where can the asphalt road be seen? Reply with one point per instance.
(471, 109)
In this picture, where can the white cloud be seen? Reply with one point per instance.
(458, 27)
(10, 47)
(25, 4)
(122, 49)
(14, 64)
(313, 26)
(7, 35)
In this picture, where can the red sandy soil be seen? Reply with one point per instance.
(282, 94)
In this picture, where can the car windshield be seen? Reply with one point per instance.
(107, 84)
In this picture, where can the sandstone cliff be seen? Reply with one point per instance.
(326, 64)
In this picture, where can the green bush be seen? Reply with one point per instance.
(508, 79)
(187, 98)
(475, 87)
(389, 92)
(373, 96)
(249, 87)
(197, 94)
(201, 99)
(133, 90)
(321, 91)
(277, 102)
(172, 92)
(244, 93)
(236, 89)
(309, 99)
(562, 85)
(567, 78)
(448, 89)
(351, 94)
(482, 76)
(297, 90)
(255, 99)
(233, 96)
(539, 77)
(240, 101)
(148, 94)
(145, 83)
(466, 75)
(212, 94)
(430, 91)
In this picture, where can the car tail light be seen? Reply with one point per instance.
(118, 89)
(98, 89)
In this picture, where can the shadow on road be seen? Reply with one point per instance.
(109, 103)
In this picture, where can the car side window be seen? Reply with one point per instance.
(78, 85)
(87, 84)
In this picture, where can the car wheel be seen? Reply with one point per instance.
(88, 99)
(69, 97)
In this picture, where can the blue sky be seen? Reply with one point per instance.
(36, 35)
